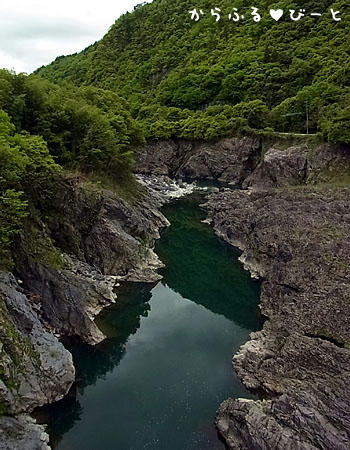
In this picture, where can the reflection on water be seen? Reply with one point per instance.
(204, 269)
(159, 378)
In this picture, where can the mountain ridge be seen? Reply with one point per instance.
(176, 73)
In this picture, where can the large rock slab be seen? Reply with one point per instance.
(299, 165)
(229, 160)
(35, 367)
(105, 239)
(22, 433)
(298, 241)
(280, 168)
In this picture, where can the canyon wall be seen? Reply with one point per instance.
(58, 290)
(291, 221)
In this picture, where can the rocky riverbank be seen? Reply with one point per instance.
(229, 160)
(66, 271)
(292, 225)
(68, 264)
(35, 368)
(101, 239)
(248, 161)
(298, 241)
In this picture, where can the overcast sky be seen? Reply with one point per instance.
(35, 32)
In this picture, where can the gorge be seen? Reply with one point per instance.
(166, 368)
(174, 200)
(200, 268)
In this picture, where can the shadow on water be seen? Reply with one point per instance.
(158, 379)
(204, 269)
(93, 363)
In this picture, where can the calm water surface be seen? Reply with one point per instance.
(158, 380)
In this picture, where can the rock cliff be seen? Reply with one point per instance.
(66, 271)
(249, 161)
(300, 164)
(35, 368)
(103, 239)
(229, 160)
(298, 241)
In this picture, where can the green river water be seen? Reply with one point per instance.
(159, 378)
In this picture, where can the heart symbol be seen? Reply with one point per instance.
(276, 14)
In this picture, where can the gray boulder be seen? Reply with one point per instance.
(36, 369)
(228, 160)
(22, 433)
(279, 168)
(298, 241)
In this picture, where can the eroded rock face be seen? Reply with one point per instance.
(160, 157)
(306, 377)
(240, 161)
(229, 160)
(107, 240)
(299, 165)
(121, 239)
(298, 240)
(22, 433)
(280, 168)
(36, 369)
(68, 300)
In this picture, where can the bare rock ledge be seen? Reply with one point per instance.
(298, 241)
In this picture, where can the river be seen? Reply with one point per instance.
(158, 379)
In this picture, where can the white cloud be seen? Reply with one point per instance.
(35, 32)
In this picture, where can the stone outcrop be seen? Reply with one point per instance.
(229, 160)
(22, 433)
(35, 368)
(296, 165)
(104, 240)
(298, 241)
(280, 168)
(67, 269)
(242, 161)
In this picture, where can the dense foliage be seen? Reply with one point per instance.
(27, 171)
(171, 69)
(44, 127)
(86, 127)
(157, 74)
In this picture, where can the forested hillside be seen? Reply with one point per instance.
(208, 78)
(44, 128)
(158, 74)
